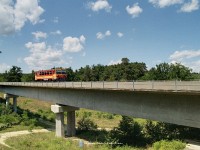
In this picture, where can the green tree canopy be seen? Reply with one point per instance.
(165, 71)
(13, 75)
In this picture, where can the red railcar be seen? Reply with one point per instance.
(54, 74)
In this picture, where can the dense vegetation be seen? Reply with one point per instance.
(126, 71)
(130, 132)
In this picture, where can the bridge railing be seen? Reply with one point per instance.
(133, 85)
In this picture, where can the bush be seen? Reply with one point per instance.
(86, 124)
(27, 121)
(165, 131)
(46, 115)
(128, 132)
(168, 145)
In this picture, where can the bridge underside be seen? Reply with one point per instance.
(171, 107)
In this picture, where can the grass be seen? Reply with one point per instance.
(50, 142)
(169, 145)
(18, 128)
(2, 147)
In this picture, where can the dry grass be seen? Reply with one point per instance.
(2, 147)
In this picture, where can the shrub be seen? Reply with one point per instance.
(128, 132)
(86, 124)
(27, 121)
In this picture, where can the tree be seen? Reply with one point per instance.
(13, 75)
(70, 74)
(128, 132)
(30, 77)
(165, 71)
(125, 61)
(96, 72)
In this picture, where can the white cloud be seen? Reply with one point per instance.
(57, 32)
(14, 14)
(42, 56)
(4, 67)
(189, 58)
(165, 3)
(101, 36)
(112, 62)
(6, 17)
(185, 54)
(108, 33)
(55, 20)
(119, 34)
(73, 44)
(100, 5)
(134, 11)
(39, 35)
(190, 6)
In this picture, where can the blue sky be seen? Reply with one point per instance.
(41, 34)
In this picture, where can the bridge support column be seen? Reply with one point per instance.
(71, 130)
(60, 132)
(7, 98)
(59, 111)
(15, 103)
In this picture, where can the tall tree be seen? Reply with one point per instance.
(70, 74)
(125, 61)
(13, 75)
(165, 71)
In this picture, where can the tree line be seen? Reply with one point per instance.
(125, 71)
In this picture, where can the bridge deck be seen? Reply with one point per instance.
(175, 86)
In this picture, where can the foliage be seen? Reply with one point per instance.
(165, 131)
(125, 71)
(70, 74)
(168, 145)
(165, 71)
(28, 77)
(86, 124)
(128, 132)
(121, 72)
(46, 115)
(9, 118)
(159, 131)
(13, 75)
(2, 78)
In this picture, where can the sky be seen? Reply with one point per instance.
(41, 34)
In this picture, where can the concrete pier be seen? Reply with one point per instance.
(15, 103)
(7, 98)
(59, 111)
(60, 125)
(71, 130)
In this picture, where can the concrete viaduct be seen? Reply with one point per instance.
(176, 102)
